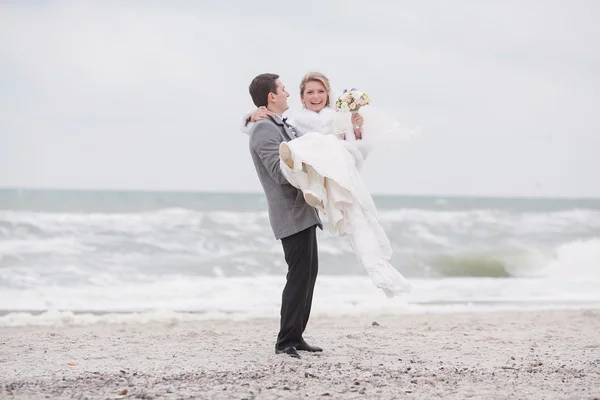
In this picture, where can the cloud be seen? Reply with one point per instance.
(150, 94)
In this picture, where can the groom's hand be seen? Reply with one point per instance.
(260, 113)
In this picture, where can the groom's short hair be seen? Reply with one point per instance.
(261, 86)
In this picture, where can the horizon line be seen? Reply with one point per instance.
(211, 192)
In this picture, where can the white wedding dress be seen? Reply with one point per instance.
(324, 154)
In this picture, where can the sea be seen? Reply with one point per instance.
(82, 257)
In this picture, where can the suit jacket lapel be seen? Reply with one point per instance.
(286, 131)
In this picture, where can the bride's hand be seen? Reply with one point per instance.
(357, 123)
(260, 113)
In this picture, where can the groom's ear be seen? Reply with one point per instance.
(271, 97)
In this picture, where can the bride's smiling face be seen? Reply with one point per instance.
(314, 96)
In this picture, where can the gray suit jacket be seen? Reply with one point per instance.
(288, 211)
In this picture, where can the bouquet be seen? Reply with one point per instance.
(351, 101)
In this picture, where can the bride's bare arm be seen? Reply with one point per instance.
(357, 123)
(260, 113)
(250, 118)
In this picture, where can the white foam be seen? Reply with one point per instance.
(184, 299)
(69, 245)
(235, 223)
(155, 260)
(69, 318)
(578, 260)
(524, 222)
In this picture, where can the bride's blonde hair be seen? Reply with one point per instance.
(316, 77)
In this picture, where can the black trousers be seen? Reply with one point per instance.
(302, 259)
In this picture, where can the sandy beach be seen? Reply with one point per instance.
(504, 355)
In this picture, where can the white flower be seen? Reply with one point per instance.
(351, 100)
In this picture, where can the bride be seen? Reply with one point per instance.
(324, 162)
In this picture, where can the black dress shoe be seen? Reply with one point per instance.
(290, 351)
(303, 346)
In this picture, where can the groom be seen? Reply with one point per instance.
(293, 221)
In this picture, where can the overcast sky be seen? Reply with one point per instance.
(149, 94)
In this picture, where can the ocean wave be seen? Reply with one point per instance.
(174, 300)
(170, 228)
(499, 220)
(479, 243)
(178, 214)
(579, 258)
(496, 263)
(70, 318)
